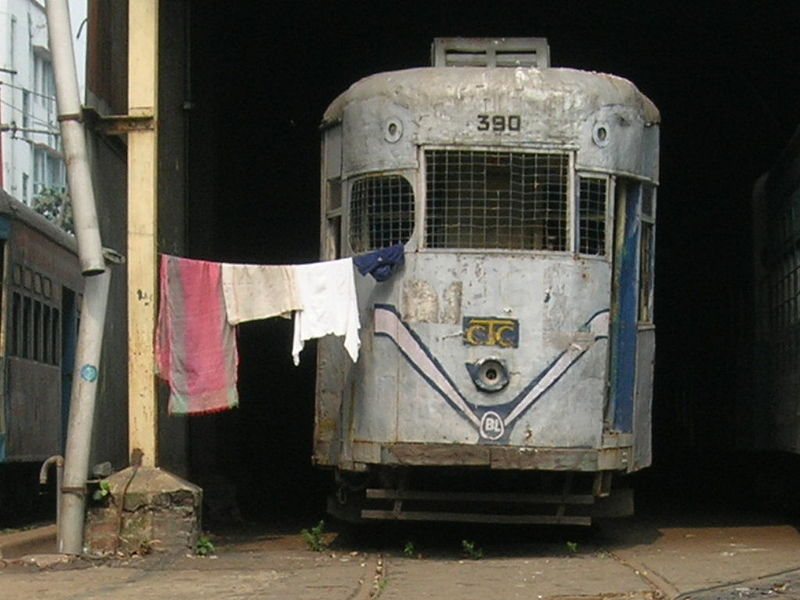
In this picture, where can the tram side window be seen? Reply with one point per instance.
(34, 332)
(381, 212)
(646, 255)
(493, 199)
(331, 242)
(16, 324)
(592, 193)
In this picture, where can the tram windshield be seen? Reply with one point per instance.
(496, 199)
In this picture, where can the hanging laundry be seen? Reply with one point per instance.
(195, 345)
(382, 263)
(328, 296)
(258, 291)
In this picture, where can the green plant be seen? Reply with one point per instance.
(471, 550)
(204, 546)
(103, 490)
(314, 537)
(409, 550)
(56, 206)
(572, 547)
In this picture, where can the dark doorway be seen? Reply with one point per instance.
(723, 76)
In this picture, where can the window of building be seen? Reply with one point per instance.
(496, 199)
(381, 212)
(49, 172)
(43, 82)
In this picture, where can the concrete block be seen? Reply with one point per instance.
(147, 509)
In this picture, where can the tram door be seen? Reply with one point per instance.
(624, 304)
(632, 329)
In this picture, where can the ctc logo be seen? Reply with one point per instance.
(492, 427)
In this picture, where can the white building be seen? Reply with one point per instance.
(30, 143)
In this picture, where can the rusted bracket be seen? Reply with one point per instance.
(78, 491)
(117, 124)
(121, 124)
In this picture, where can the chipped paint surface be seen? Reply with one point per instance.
(451, 303)
(558, 108)
(403, 406)
(414, 382)
(420, 302)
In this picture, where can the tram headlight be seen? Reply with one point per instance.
(489, 374)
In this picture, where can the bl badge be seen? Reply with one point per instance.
(491, 331)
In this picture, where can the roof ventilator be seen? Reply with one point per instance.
(490, 52)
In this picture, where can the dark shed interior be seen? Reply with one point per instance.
(248, 87)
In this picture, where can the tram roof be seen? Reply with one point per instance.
(13, 208)
(425, 85)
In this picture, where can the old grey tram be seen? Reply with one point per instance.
(505, 372)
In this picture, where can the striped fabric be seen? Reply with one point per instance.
(196, 349)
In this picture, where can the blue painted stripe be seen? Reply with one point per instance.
(624, 323)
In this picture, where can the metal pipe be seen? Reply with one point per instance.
(81, 413)
(87, 230)
(59, 463)
(96, 281)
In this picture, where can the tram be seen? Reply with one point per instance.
(40, 300)
(506, 367)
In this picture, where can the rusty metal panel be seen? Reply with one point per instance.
(643, 400)
(32, 247)
(3, 397)
(505, 457)
(34, 410)
(436, 454)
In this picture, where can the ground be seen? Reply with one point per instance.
(725, 554)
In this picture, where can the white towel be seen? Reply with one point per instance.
(327, 293)
(258, 291)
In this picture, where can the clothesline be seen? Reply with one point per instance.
(203, 301)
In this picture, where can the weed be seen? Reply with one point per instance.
(314, 537)
(572, 547)
(145, 547)
(103, 490)
(204, 546)
(409, 549)
(471, 550)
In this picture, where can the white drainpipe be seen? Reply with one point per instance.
(96, 282)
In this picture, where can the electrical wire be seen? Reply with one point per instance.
(30, 91)
(55, 130)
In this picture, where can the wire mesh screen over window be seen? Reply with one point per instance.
(381, 212)
(592, 216)
(505, 200)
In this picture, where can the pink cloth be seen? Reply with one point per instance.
(195, 346)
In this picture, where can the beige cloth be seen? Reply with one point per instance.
(258, 292)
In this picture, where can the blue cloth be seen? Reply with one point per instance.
(381, 263)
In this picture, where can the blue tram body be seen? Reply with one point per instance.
(505, 372)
